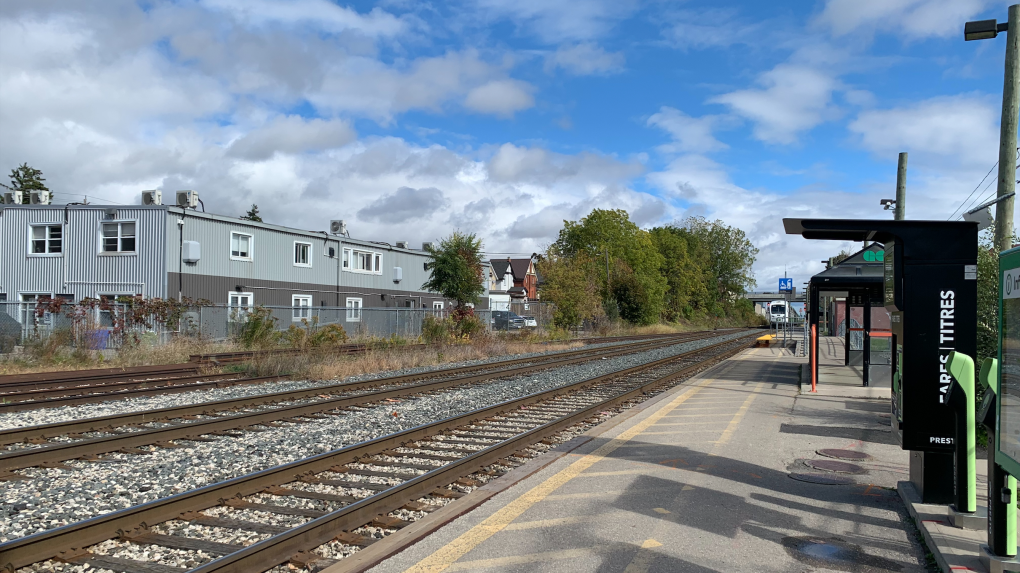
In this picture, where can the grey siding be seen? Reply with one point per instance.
(82, 270)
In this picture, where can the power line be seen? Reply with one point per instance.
(974, 191)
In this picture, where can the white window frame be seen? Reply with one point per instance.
(307, 244)
(302, 307)
(25, 312)
(46, 252)
(437, 305)
(120, 238)
(375, 259)
(354, 306)
(251, 247)
(233, 316)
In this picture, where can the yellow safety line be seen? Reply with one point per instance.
(451, 552)
(644, 558)
(732, 427)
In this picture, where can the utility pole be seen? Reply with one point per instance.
(1007, 134)
(901, 188)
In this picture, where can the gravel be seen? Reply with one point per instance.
(55, 497)
(123, 406)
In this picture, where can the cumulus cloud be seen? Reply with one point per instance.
(404, 205)
(554, 22)
(584, 59)
(292, 134)
(792, 99)
(321, 14)
(500, 97)
(689, 134)
(513, 164)
(963, 130)
(914, 19)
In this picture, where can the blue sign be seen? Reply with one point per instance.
(785, 285)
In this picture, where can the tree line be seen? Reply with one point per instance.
(606, 267)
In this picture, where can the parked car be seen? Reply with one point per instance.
(506, 320)
(530, 322)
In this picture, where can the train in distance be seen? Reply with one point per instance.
(779, 311)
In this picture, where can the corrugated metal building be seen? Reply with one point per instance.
(79, 251)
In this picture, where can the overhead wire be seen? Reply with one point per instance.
(965, 206)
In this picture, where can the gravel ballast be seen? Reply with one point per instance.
(56, 497)
(124, 406)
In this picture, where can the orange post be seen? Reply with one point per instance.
(814, 358)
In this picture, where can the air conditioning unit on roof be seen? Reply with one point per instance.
(401, 244)
(14, 198)
(41, 197)
(338, 227)
(187, 199)
(152, 197)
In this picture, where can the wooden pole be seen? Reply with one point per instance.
(1007, 133)
(901, 187)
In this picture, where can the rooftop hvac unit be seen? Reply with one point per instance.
(338, 227)
(398, 275)
(428, 246)
(14, 198)
(41, 197)
(152, 197)
(187, 199)
(401, 244)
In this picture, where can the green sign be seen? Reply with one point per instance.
(1007, 439)
(874, 256)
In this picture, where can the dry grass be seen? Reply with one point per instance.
(334, 366)
(67, 358)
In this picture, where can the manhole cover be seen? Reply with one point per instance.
(885, 415)
(823, 479)
(835, 466)
(844, 454)
(836, 554)
(886, 422)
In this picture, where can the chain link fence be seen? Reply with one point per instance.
(23, 323)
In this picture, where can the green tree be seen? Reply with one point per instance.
(571, 283)
(456, 267)
(635, 282)
(687, 287)
(730, 255)
(27, 179)
(252, 214)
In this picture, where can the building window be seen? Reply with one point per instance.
(302, 304)
(119, 237)
(239, 305)
(437, 305)
(302, 254)
(29, 304)
(353, 309)
(362, 261)
(240, 246)
(46, 240)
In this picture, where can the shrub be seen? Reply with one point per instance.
(257, 328)
(434, 331)
(329, 335)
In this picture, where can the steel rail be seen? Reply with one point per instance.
(45, 545)
(31, 391)
(31, 457)
(91, 424)
(279, 548)
(96, 374)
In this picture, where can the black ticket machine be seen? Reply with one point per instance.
(930, 290)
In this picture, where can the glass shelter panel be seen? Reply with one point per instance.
(1008, 439)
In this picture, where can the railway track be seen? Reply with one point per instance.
(192, 422)
(311, 511)
(31, 391)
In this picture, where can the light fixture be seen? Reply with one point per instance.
(889, 204)
(983, 29)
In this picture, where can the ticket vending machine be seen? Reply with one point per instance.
(930, 290)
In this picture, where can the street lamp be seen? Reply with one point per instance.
(887, 204)
(983, 30)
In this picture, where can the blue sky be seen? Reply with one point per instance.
(504, 118)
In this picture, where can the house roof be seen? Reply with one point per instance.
(499, 266)
(520, 267)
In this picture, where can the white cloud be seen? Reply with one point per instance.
(793, 99)
(500, 97)
(951, 131)
(689, 134)
(513, 164)
(555, 22)
(292, 134)
(584, 59)
(321, 14)
(712, 28)
(913, 19)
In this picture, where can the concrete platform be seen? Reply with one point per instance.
(698, 480)
(838, 380)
